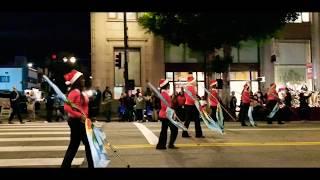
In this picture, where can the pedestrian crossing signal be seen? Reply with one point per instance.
(118, 61)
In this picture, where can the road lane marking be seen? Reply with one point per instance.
(35, 148)
(32, 126)
(275, 129)
(33, 133)
(37, 162)
(35, 129)
(232, 144)
(30, 139)
(148, 134)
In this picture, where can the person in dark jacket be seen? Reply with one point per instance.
(14, 102)
(304, 109)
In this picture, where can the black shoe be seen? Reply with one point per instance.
(280, 122)
(200, 136)
(22, 122)
(10, 122)
(186, 136)
(269, 122)
(172, 147)
(161, 147)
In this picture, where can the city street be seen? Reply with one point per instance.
(294, 144)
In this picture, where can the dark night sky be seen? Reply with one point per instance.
(37, 35)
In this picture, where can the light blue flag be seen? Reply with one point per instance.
(219, 116)
(55, 88)
(170, 113)
(250, 116)
(208, 121)
(96, 136)
(274, 111)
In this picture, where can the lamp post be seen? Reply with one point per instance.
(30, 65)
(125, 28)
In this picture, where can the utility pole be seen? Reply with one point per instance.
(125, 28)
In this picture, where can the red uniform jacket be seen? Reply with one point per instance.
(162, 113)
(272, 95)
(189, 100)
(74, 97)
(245, 97)
(213, 100)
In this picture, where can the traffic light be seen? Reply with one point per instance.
(53, 56)
(118, 61)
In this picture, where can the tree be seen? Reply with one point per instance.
(207, 32)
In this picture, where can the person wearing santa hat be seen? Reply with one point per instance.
(164, 89)
(244, 105)
(191, 110)
(213, 99)
(76, 120)
(272, 100)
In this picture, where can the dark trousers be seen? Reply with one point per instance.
(15, 110)
(163, 134)
(304, 113)
(49, 114)
(180, 113)
(78, 133)
(213, 113)
(139, 114)
(243, 113)
(192, 114)
(108, 111)
(60, 113)
(270, 105)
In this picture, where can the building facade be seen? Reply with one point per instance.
(150, 58)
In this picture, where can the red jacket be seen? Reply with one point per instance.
(213, 100)
(74, 97)
(245, 97)
(189, 100)
(162, 113)
(181, 100)
(272, 95)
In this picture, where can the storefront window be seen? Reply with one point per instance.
(248, 52)
(290, 74)
(242, 75)
(200, 76)
(201, 91)
(290, 67)
(169, 76)
(174, 54)
(180, 80)
(181, 54)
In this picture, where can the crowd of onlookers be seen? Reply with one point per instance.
(144, 106)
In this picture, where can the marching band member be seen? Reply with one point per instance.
(164, 89)
(191, 110)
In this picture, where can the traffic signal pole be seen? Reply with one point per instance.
(125, 51)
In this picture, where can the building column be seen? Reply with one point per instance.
(315, 48)
(266, 66)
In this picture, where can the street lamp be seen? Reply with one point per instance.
(65, 59)
(73, 59)
(30, 65)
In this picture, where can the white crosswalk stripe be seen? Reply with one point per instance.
(36, 144)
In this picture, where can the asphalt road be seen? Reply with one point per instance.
(294, 144)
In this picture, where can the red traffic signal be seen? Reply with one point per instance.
(53, 56)
(118, 61)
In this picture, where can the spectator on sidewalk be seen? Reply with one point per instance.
(15, 102)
